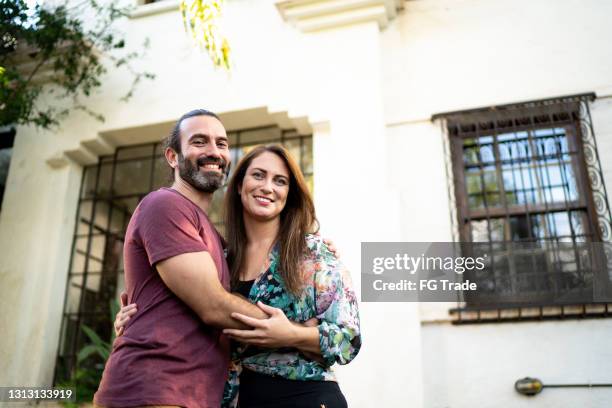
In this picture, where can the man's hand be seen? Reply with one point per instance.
(314, 322)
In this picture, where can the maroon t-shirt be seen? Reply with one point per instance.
(167, 355)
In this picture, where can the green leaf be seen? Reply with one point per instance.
(87, 351)
(93, 336)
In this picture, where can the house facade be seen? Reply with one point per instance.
(414, 121)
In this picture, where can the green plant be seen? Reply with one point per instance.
(97, 346)
(90, 363)
(85, 383)
(54, 50)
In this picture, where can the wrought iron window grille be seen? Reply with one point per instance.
(529, 173)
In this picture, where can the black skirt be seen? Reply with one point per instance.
(264, 391)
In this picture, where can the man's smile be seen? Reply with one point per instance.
(209, 164)
(212, 166)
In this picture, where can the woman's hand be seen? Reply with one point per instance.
(124, 314)
(277, 331)
(332, 247)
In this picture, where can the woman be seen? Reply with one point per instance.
(275, 259)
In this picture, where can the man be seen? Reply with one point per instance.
(172, 352)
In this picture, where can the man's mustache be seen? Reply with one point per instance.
(202, 161)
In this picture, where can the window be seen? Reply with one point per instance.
(528, 190)
(110, 191)
(150, 7)
(7, 138)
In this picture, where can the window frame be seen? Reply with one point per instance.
(579, 133)
(585, 199)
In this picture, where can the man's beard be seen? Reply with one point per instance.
(207, 181)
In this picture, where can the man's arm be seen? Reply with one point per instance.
(278, 331)
(193, 278)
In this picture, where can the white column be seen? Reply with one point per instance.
(36, 228)
(353, 193)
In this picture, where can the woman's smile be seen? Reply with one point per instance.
(265, 201)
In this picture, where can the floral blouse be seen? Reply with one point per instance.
(328, 296)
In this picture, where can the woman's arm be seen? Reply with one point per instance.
(276, 331)
(336, 307)
(337, 336)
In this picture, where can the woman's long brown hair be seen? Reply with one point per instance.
(297, 219)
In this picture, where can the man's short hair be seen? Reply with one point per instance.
(173, 140)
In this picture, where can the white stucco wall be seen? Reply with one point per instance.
(444, 56)
(477, 365)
